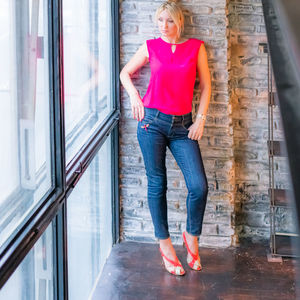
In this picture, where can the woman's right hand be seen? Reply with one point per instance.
(137, 106)
(139, 59)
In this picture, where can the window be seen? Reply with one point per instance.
(34, 278)
(25, 152)
(89, 215)
(58, 108)
(87, 65)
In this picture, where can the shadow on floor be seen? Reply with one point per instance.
(135, 271)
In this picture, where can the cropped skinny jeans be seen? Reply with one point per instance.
(155, 133)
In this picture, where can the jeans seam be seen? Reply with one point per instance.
(190, 225)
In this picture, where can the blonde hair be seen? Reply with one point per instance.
(175, 10)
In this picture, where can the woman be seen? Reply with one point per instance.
(165, 119)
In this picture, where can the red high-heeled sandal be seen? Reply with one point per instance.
(176, 267)
(193, 263)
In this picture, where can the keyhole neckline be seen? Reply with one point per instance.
(175, 44)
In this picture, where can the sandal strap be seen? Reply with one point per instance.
(197, 264)
(192, 262)
(195, 257)
(175, 263)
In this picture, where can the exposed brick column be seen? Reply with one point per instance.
(248, 86)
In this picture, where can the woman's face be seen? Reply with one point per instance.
(166, 25)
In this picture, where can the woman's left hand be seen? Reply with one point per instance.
(196, 129)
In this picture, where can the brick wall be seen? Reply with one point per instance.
(248, 85)
(233, 145)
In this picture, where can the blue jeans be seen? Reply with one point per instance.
(155, 132)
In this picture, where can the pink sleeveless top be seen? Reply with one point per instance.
(173, 75)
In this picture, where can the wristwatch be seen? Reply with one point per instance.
(201, 116)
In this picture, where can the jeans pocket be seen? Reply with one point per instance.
(146, 121)
(187, 123)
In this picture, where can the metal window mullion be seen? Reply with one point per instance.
(58, 147)
(115, 66)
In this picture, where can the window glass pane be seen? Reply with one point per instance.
(87, 69)
(34, 278)
(89, 222)
(25, 156)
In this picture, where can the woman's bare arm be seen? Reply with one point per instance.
(139, 59)
(205, 81)
(196, 130)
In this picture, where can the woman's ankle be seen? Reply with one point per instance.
(191, 236)
(192, 241)
(166, 243)
(167, 246)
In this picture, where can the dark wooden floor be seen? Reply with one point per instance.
(134, 271)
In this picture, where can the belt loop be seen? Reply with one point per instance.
(157, 114)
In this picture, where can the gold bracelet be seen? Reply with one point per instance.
(201, 116)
